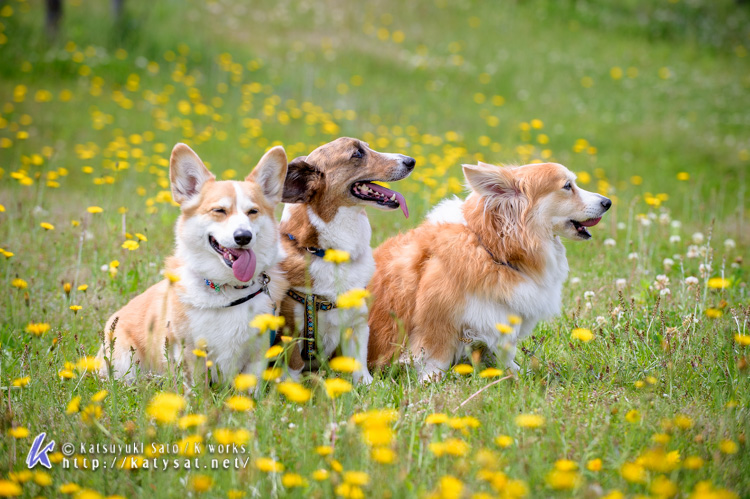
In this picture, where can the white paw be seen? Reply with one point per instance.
(363, 377)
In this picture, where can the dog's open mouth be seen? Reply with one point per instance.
(580, 227)
(380, 195)
(240, 260)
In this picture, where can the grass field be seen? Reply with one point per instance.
(649, 102)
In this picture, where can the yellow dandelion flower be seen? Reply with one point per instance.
(377, 435)
(268, 465)
(728, 447)
(88, 364)
(83, 287)
(504, 328)
(504, 441)
(47, 226)
(75, 308)
(718, 283)
(742, 339)
(272, 374)
(131, 245)
(336, 256)
(562, 480)
(490, 372)
(345, 364)
(713, 313)
(436, 418)
(383, 455)
(634, 473)
(199, 353)
(320, 475)
(244, 382)
(529, 420)
(274, 351)
(18, 432)
(190, 420)
(69, 488)
(201, 483)
(294, 392)
(266, 322)
(141, 237)
(94, 209)
(354, 298)
(582, 334)
(292, 480)
(41, 478)
(171, 277)
(324, 450)
(239, 403)
(359, 478)
(19, 283)
(164, 406)
(37, 328)
(463, 369)
(565, 465)
(662, 486)
(90, 413)
(633, 416)
(99, 396)
(514, 319)
(452, 446)
(21, 382)
(337, 386)
(693, 463)
(683, 176)
(594, 465)
(10, 489)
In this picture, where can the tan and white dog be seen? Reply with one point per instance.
(217, 280)
(474, 264)
(326, 193)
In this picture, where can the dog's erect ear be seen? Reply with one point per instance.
(489, 180)
(302, 180)
(270, 173)
(187, 173)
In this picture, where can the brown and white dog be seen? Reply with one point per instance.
(227, 249)
(474, 264)
(326, 193)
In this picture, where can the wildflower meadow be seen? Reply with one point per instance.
(640, 388)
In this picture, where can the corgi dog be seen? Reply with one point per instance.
(325, 195)
(223, 273)
(478, 266)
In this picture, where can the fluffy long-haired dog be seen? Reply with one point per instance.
(330, 188)
(220, 276)
(476, 263)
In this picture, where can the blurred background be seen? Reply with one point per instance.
(646, 100)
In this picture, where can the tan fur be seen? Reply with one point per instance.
(423, 277)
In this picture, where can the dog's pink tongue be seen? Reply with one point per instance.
(244, 266)
(402, 203)
(591, 223)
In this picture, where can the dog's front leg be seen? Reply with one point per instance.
(356, 346)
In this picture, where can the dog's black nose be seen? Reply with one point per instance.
(409, 162)
(242, 236)
(606, 202)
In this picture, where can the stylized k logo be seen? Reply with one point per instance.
(37, 454)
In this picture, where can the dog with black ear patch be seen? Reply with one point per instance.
(325, 194)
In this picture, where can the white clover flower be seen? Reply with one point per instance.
(645, 222)
(104, 268)
(589, 295)
(610, 243)
(667, 262)
(620, 284)
(692, 252)
(651, 216)
(698, 238)
(676, 224)
(665, 292)
(621, 226)
(704, 269)
(633, 256)
(661, 282)
(674, 239)
(600, 321)
(589, 306)
(575, 281)
(664, 219)
(691, 281)
(729, 244)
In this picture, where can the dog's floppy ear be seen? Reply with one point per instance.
(187, 173)
(270, 173)
(302, 180)
(489, 180)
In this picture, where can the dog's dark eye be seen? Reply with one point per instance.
(252, 211)
(568, 186)
(358, 153)
(220, 210)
